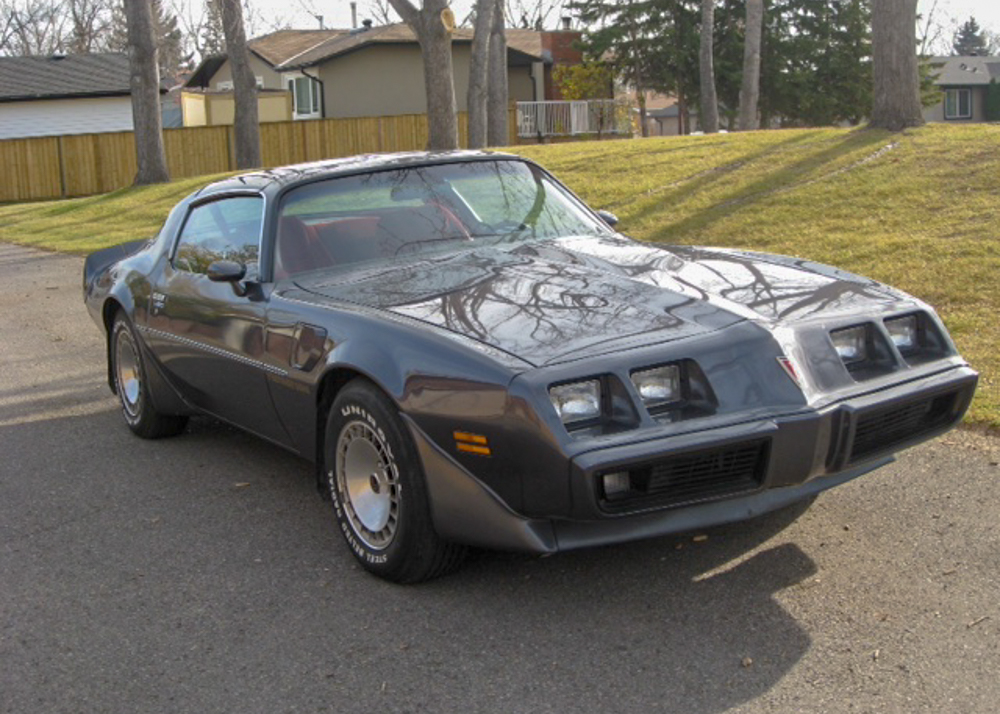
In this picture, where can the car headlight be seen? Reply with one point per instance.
(577, 401)
(657, 386)
(851, 343)
(903, 331)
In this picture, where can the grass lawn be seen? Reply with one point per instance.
(918, 210)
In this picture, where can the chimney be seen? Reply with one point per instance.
(367, 24)
(354, 15)
(567, 22)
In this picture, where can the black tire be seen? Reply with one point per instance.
(377, 487)
(129, 370)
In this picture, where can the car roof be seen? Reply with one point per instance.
(283, 176)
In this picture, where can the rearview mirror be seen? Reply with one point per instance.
(226, 271)
(608, 217)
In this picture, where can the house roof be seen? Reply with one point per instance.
(279, 47)
(527, 42)
(965, 71)
(63, 76)
(294, 49)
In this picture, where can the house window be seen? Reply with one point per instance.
(305, 96)
(957, 104)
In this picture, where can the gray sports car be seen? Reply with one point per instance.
(472, 356)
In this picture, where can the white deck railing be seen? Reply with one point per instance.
(567, 118)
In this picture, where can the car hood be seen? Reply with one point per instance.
(561, 299)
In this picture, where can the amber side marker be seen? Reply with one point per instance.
(471, 443)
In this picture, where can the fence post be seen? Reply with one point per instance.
(230, 148)
(62, 166)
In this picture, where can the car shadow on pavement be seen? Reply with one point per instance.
(213, 550)
(692, 624)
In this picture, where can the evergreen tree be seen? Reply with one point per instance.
(212, 38)
(169, 40)
(969, 40)
(168, 36)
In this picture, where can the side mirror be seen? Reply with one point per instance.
(608, 217)
(226, 271)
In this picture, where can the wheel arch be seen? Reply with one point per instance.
(109, 310)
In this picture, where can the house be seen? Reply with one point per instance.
(371, 71)
(64, 94)
(966, 82)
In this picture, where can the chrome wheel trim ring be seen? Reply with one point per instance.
(127, 374)
(368, 484)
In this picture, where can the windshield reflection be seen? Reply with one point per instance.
(411, 211)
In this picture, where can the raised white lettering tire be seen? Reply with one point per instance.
(377, 486)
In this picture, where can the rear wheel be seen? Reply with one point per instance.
(378, 490)
(133, 389)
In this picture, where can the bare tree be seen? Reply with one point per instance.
(497, 86)
(432, 24)
(244, 87)
(531, 14)
(750, 88)
(896, 102)
(931, 31)
(382, 12)
(33, 27)
(709, 115)
(144, 83)
(478, 73)
(91, 21)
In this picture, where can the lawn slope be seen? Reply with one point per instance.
(919, 210)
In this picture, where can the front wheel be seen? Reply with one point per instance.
(378, 491)
(132, 387)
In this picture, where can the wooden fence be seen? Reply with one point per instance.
(85, 164)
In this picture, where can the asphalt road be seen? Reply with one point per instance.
(203, 574)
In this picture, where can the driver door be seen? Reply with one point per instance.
(209, 338)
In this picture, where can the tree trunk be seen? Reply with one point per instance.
(497, 90)
(247, 127)
(439, 83)
(709, 118)
(896, 101)
(144, 84)
(478, 73)
(750, 88)
(643, 114)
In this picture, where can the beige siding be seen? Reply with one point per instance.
(193, 109)
(272, 80)
(387, 80)
(520, 88)
(936, 112)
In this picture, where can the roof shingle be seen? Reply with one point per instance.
(62, 76)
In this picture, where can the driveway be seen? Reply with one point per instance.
(203, 574)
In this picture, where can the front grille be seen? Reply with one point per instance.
(883, 429)
(693, 477)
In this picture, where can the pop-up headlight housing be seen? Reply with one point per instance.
(658, 386)
(851, 344)
(577, 402)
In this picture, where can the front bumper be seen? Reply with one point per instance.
(798, 456)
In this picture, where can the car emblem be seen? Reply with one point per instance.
(789, 368)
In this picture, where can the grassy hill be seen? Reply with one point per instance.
(919, 210)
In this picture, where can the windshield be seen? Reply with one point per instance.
(399, 213)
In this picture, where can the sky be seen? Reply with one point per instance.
(337, 13)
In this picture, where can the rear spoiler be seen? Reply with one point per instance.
(96, 263)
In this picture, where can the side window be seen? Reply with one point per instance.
(228, 229)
